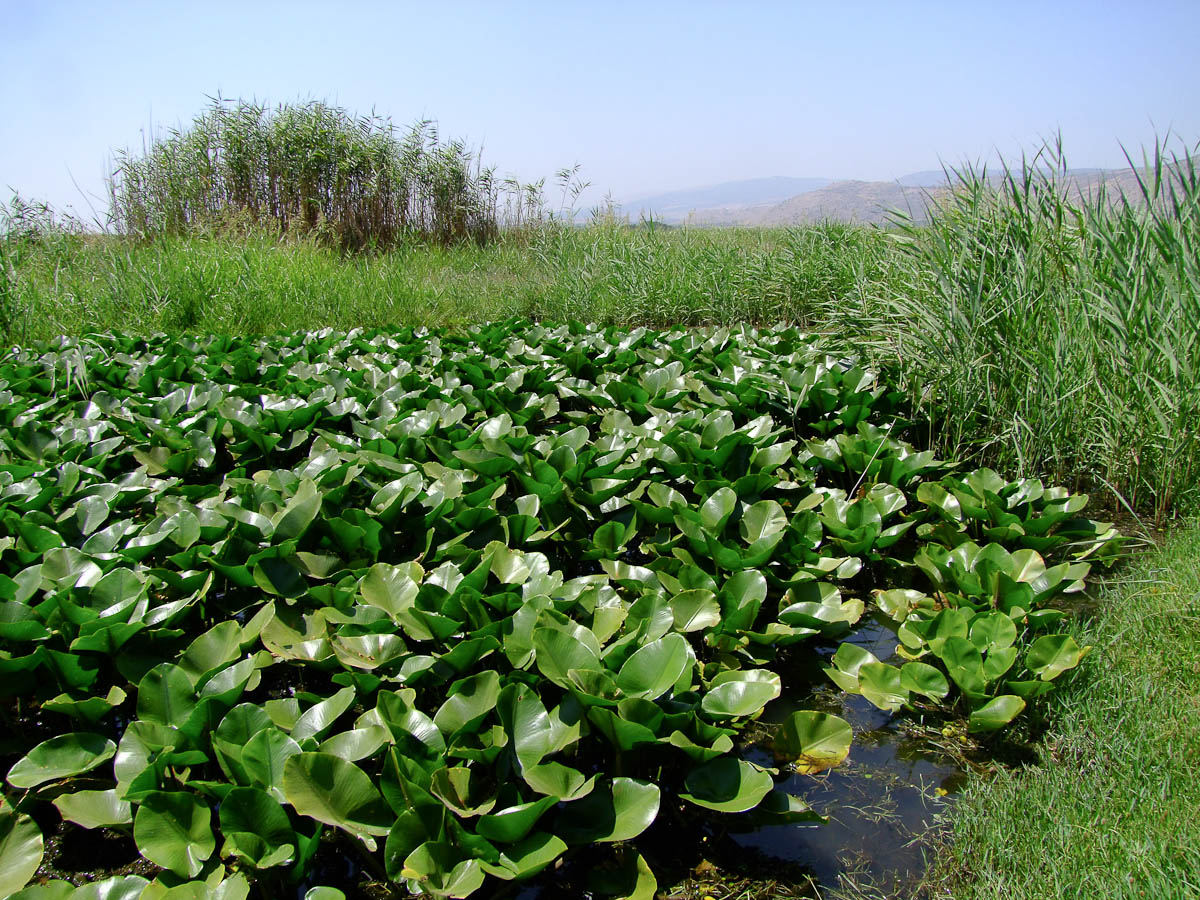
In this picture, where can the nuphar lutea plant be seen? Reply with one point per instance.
(466, 602)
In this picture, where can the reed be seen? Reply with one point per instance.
(313, 168)
(1055, 332)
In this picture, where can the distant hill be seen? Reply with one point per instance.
(869, 202)
(677, 206)
(863, 202)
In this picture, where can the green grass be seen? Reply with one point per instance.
(1110, 812)
(74, 284)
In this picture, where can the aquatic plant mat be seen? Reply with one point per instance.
(554, 606)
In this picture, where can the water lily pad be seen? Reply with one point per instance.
(173, 829)
(61, 757)
(331, 790)
(727, 785)
(813, 741)
(20, 851)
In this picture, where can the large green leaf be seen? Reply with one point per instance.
(121, 887)
(727, 785)
(619, 811)
(20, 850)
(515, 822)
(1052, 654)
(741, 692)
(61, 757)
(331, 790)
(441, 870)
(256, 828)
(165, 696)
(882, 685)
(654, 669)
(531, 855)
(173, 829)
(293, 520)
(94, 809)
(319, 717)
(813, 741)
(996, 713)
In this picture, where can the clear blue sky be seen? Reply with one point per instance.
(645, 96)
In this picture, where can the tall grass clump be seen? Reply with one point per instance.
(312, 168)
(815, 276)
(1056, 331)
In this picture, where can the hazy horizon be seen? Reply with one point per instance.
(647, 99)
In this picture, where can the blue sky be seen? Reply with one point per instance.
(644, 96)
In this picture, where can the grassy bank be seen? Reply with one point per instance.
(1110, 810)
(74, 284)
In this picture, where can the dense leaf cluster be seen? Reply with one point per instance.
(474, 599)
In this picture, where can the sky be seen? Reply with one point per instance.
(644, 96)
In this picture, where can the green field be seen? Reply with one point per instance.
(285, 510)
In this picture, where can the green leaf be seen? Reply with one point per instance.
(441, 870)
(534, 853)
(331, 790)
(469, 700)
(213, 649)
(256, 827)
(558, 650)
(762, 521)
(94, 809)
(61, 757)
(695, 610)
(616, 812)
(512, 824)
(716, 510)
(654, 669)
(92, 709)
(924, 679)
(20, 851)
(356, 744)
(633, 880)
(122, 887)
(1052, 654)
(165, 696)
(558, 781)
(814, 741)
(463, 790)
(882, 685)
(293, 520)
(263, 757)
(320, 717)
(996, 713)
(173, 829)
(727, 785)
(741, 692)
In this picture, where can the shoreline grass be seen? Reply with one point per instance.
(1109, 812)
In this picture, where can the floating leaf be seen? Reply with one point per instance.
(654, 669)
(61, 757)
(331, 790)
(813, 741)
(727, 785)
(20, 851)
(996, 713)
(94, 809)
(172, 829)
(740, 693)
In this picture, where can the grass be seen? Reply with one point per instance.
(63, 283)
(1110, 812)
